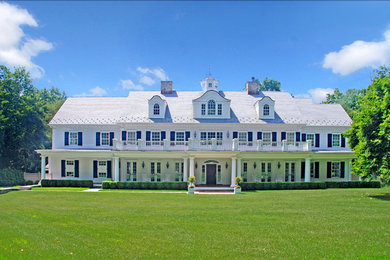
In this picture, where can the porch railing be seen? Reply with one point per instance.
(213, 145)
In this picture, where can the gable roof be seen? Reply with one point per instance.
(134, 109)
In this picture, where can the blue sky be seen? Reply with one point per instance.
(111, 48)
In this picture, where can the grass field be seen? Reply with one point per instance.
(332, 223)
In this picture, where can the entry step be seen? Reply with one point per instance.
(214, 189)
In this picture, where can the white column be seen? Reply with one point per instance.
(234, 168)
(43, 167)
(185, 166)
(307, 169)
(349, 170)
(116, 169)
(239, 167)
(192, 167)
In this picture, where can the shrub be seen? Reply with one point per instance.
(164, 185)
(11, 177)
(29, 182)
(67, 183)
(36, 182)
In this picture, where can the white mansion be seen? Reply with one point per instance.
(215, 135)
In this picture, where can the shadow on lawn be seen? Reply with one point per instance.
(382, 197)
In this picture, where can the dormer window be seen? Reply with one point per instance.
(266, 110)
(203, 109)
(211, 107)
(156, 109)
(219, 109)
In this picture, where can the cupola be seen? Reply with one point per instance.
(209, 84)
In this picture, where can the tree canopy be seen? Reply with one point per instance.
(24, 114)
(369, 135)
(349, 100)
(269, 85)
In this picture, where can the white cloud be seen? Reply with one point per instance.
(94, 92)
(358, 55)
(319, 94)
(147, 80)
(129, 84)
(157, 72)
(16, 48)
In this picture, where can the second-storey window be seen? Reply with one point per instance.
(131, 137)
(105, 136)
(290, 138)
(155, 138)
(242, 138)
(73, 138)
(180, 138)
(336, 140)
(266, 138)
(310, 137)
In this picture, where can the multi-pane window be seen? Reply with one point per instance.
(180, 138)
(335, 169)
(211, 107)
(203, 109)
(179, 171)
(242, 138)
(336, 140)
(219, 138)
(69, 168)
(219, 109)
(203, 173)
(102, 169)
(219, 173)
(73, 138)
(310, 137)
(289, 171)
(210, 135)
(266, 138)
(266, 110)
(245, 171)
(155, 170)
(266, 171)
(105, 136)
(132, 171)
(131, 137)
(206, 137)
(156, 138)
(210, 85)
(156, 109)
(290, 138)
(312, 173)
(203, 138)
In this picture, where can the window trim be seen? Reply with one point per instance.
(70, 168)
(156, 109)
(102, 169)
(108, 138)
(293, 138)
(314, 138)
(333, 173)
(155, 142)
(339, 139)
(211, 110)
(242, 142)
(128, 140)
(270, 138)
(76, 139)
(266, 110)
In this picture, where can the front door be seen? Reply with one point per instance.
(210, 178)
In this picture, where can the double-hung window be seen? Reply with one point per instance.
(73, 138)
(211, 107)
(156, 138)
(242, 138)
(219, 109)
(210, 135)
(336, 138)
(203, 109)
(179, 138)
(219, 138)
(203, 138)
(69, 168)
(310, 137)
(131, 137)
(266, 110)
(290, 138)
(102, 169)
(267, 138)
(105, 137)
(335, 169)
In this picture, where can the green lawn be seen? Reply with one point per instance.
(332, 223)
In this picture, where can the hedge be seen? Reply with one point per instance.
(10, 177)
(67, 183)
(164, 185)
(308, 185)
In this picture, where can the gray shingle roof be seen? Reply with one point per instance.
(134, 109)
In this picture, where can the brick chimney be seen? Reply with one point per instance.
(166, 87)
(252, 87)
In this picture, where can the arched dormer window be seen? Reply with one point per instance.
(266, 110)
(156, 109)
(211, 107)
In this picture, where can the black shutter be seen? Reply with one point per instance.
(259, 135)
(188, 135)
(109, 172)
(111, 137)
(162, 135)
(76, 168)
(316, 169)
(95, 175)
(138, 135)
(124, 135)
(80, 138)
(274, 136)
(342, 141)
(172, 136)
(147, 135)
(97, 138)
(303, 137)
(297, 136)
(329, 140)
(329, 170)
(235, 135)
(283, 136)
(62, 168)
(66, 141)
(342, 169)
(317, 140)
(302, 170)
(250, 136)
